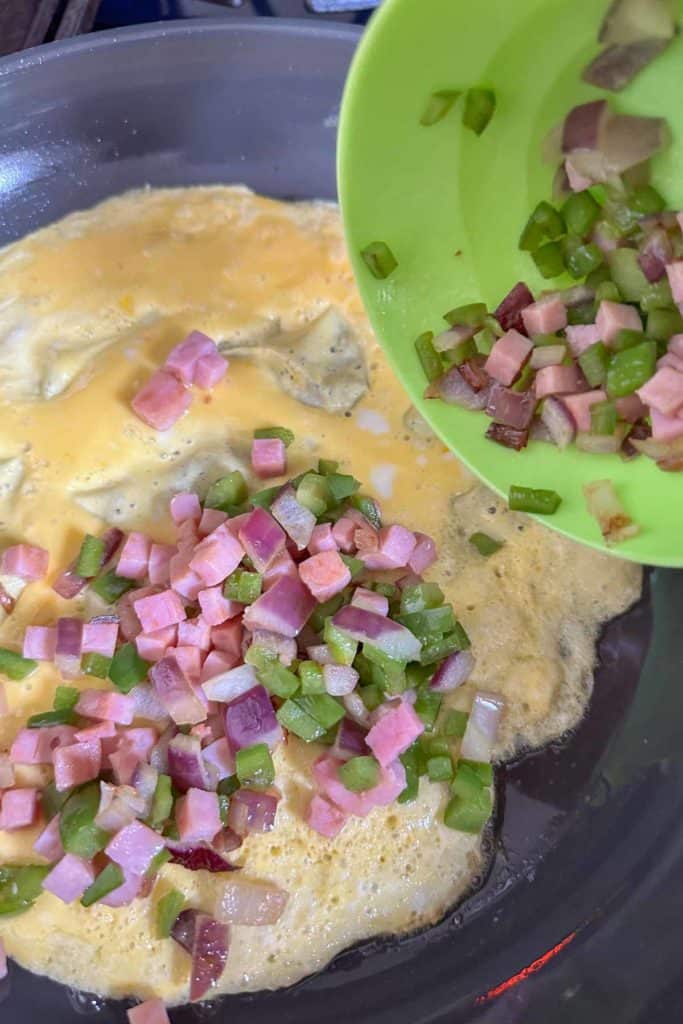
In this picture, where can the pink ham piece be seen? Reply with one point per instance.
(676, 345)
(262, 538)
(190, 661)
(216, 556)
(227, 638)
(109, 705)
(101, 731)
(175, 692)
(3, 961)
(674, 271)
(322, 539)
(19, 809)
(195, 632)
(207, 941)
(49, 842)
(669, 359)
(161, 401)
(153, 646)
(284, 609)
(100, 638)
(557, 380)
(325, 575)
(69, 879)
(212, 518)
(424, 554)
(197, 816)
(630, 408)
(37, 746)
(134, 556)
(282, 565)
(152, 1011)
(40, 642)
(666, 428)
(344, 534)
(325, 818)
(216, 663)
(77, 764)
(394, 732)
(216, 608)
(158, 567)
(268, 457)
(396, 547)
(185, 506)
(392, 783)
(183, 580)
(545, 316)
(370, 600)
(132, 887)
(614, 317)
(25, 560)
(182, 360)
(580, 407)
(6, 772)
(210, 369)
(664, 391)
(135, 847)
(159, 610)
(250, 719)
(582, 336)
(508, 356)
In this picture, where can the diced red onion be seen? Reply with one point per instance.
(321, 654)
(175, 693)
(605, 506)
(207, 941)
(144, 781)
(454, 389)
(658, 449)
(654, 254)
(252, 812)
(482, 727)
(200, 858)
(7, 602)
(453, 672)
(367, 627)
(355, 707)
(453, 337)
(68, 649)
(119, 806)
(511, 408)
(509, 437)
(559, 422)
(250, 719)
(69, 584)
(296, 520)
(601, 444)
(582, 125)
(616, 66)
(349, 741)
(509, 312)
(340, 680)
(229, 685)
(185, 763)
(241, 901)
(284, 608)
(283, 646)
(577, 295)
(624, 142)
(112, 541)
(159, 755)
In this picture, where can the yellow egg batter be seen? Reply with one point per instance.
(88, 308)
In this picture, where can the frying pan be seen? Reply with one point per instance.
(580, 916)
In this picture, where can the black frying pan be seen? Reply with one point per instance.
(580, 918)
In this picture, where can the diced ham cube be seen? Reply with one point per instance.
(210, 369)
(190, 660)
(161, 401)
(392, 783)
(152, 1011)
(217, 662)
(195, 632)
(370, 600)
(159, 565)
(325, 575)
(614, 317)
(664, 391)
(216, 608)
(49, 842)
(197, 816)
(227, 637)
(25, 560)
(424, 554)
(153, 646)
(6, 772)
(582, 336)
(580, 407)
(135, 847)
(159, 610)
(133, 886)
(40, 642)
(187, 536)
(100, 638)
(211, 519)
(37, 746)
(282, 565)
(77, 764)
(545, 316)
(674, 272)
(394, 732)
(69, 879)
(109, 705)
(676, 345)
(268, 457)
(19, 809)
(666, 428)
(325, 818)
(344, 534)
(558, 380)
(183, 580)
(101, 731)
(182, 360)
(185, 506)
(508, 356)
(630, 408)
(134, 556)
(396, 546)
(669, 359)
(322, 539)
(3, 964)
(217, 556)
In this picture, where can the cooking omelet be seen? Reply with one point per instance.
(89, 308)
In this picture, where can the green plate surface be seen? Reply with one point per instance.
(451, 206)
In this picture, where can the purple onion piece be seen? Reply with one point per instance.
(186, 765)
(349, 741)
(454, 389)
(509, 312)
(295, 519)
(250, 719)
(207, 941)
(252, 812)
(390, 637)
(559, 422)
(482, 727)
(453, 672)
(285, 608)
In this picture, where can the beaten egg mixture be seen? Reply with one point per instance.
(88, 309)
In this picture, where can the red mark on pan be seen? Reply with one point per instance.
(526, 972)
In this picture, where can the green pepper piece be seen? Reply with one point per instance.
(657, 296)
(44, 719)
(428, 356)
(341, 485)
(162, 802)
(367, 507)
(90, 556)
(371, 695)
(594, 362)
(354, 565)
(431, 621)
(584, 313)
(419, 596)
(78, 831)
(645, 200)
(311, 675)
(243, 586)
(109, 878)
(342, 647)
(254, 766)
(14, 666)
(460, 353)
(323, 708)
(607, 291)
(327, 466)
(483, 769)
(20, 886)
(168, 909)
(283, 434)
(277, 679)
(97, 665)
(127, 668)
(438, 648)
(359, 773)
(387, 673)
(549, 260)
(480, 105)
(65, 698)
(629, 370)
(581, 257)
(627, 275)
(313, 493)
(485, 545)
(296, 720)
(427, 707)
(379, 259)
(538, 501)
(111, 587)
(455, 723)
(580, 212)
(473, 314)
(438, 105)
(324, 612)
(603, 418)
(469, 815)
(229, 490)
(625, 338)
(662, 324)
(440, 768)
(53, 800)
(264, 498)
(485, 340)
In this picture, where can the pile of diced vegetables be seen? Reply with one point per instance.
(291, 614)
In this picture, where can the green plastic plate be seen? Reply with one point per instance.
(451, 206)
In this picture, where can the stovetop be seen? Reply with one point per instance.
(114, 13)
